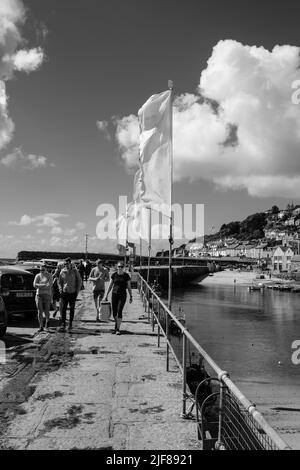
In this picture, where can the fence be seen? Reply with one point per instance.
(226, 419)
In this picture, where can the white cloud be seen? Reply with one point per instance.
(45, 220)
(13, 57)
(28, 60)
(241, 130)
(56, 230)
(80, 226)
(103, 127)
(17, 160)
(127, 135)
(62, 243)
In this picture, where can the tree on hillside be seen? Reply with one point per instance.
(275, 210)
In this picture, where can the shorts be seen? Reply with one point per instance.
(43, 303)
(98, 293)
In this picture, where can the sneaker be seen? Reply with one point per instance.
(118, 332)
(62, 328)
(40, 330)
(114, 332)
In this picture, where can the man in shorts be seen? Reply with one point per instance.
(99, 275)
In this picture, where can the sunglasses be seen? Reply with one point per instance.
(121, 267)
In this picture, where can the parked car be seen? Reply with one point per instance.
(17, 291)
(31, 267)
(3, 318)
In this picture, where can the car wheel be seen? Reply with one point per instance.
(3, 330)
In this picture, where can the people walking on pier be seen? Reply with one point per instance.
(43, 285)
(56, 299)
(81, 269)
(88, 268)
(119, 284)
(99, 275)
(69, 283)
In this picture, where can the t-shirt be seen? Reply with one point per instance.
(45, 279)
(120, 283)
(100, 283)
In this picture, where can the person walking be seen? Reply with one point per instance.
(43, 284)
(55, 292)
(88, 268)
(69, 283)
(119, 284)
(99, 275)
(81, 270)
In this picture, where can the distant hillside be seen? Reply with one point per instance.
(252, 228)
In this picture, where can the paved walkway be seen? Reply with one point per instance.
(95, 390)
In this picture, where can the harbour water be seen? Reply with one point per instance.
(248, 334)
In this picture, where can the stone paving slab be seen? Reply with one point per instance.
(104, 391)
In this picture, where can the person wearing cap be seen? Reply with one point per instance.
(119, 284)
(99, 275)
(69, 283)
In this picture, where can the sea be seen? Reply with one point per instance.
(251, 336)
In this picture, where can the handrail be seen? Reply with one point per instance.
(222, 375)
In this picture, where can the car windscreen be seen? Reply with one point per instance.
(17, 282)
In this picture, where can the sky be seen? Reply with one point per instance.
(73, 75)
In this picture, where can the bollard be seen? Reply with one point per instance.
(183, 376)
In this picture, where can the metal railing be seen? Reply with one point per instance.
(224, 413)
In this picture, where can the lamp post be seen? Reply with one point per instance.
(86, 246)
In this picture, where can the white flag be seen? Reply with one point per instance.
(156, 152)
(137, 186)
(137, 222)
(121, 227)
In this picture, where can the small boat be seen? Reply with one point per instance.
(276, 286)
(285, 288)
(255, 287)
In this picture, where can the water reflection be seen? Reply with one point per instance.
(247, 333)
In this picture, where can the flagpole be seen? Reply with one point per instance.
(126, 241)
(170, 86)
(149, 246)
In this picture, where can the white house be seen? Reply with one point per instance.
(282, 259)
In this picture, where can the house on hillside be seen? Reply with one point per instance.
(296, 211)
(232, 250)
(282, 259)
(296, 264)
(258, 251)
(249, 250)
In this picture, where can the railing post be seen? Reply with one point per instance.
(148, 303)
(219, 444)
(158, 325)
(183, 376)
(167, 338)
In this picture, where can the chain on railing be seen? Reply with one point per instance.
(226, 419)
